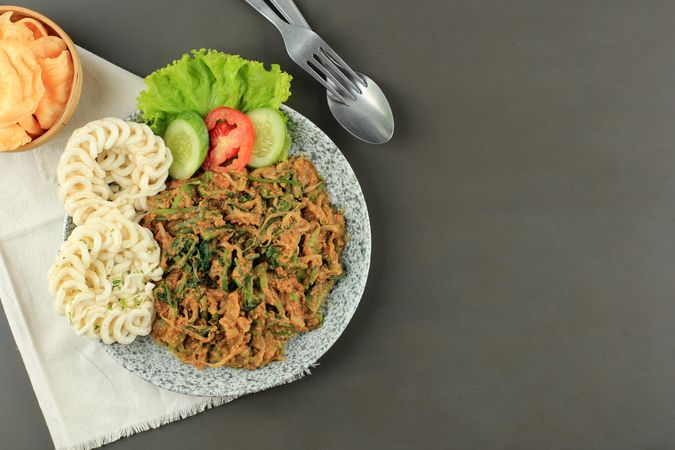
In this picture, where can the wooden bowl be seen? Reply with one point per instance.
(76, 88)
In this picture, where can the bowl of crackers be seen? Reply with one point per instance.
(40, 79)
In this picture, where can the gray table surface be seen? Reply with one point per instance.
(522, 291)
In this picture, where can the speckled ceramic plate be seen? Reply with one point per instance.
(155, 364)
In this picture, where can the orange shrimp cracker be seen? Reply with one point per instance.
(14, 30)
(34, 26)
(57, 76)
(36, 77)
(48, 47)
(21, 85)
(13, 137)
(31, 125)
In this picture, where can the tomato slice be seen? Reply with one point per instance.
(231, 134)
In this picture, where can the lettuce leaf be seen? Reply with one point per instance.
(205, 79)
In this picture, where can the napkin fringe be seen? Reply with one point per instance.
(168, 418)
(151, 424)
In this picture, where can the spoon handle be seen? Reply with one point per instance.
(269, 13)
(291, 13)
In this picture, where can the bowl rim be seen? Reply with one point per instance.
(76, 86)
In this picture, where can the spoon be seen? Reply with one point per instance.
(368, 115)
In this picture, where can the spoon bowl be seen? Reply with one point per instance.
(369, 117)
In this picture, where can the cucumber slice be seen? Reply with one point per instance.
(287, 146)
(188, 139)
(270, 136)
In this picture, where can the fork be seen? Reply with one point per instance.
(293, 16)
(308, 50)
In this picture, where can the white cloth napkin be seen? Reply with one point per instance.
(87, 398)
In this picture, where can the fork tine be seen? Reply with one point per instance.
(309, 68)
(343, 65)
(330, 78)
(335, 70)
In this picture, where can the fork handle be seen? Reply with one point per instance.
(291, 12)
(268, 12)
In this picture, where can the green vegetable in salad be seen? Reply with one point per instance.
(188, 139)
(270, 137)
(205, 79)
